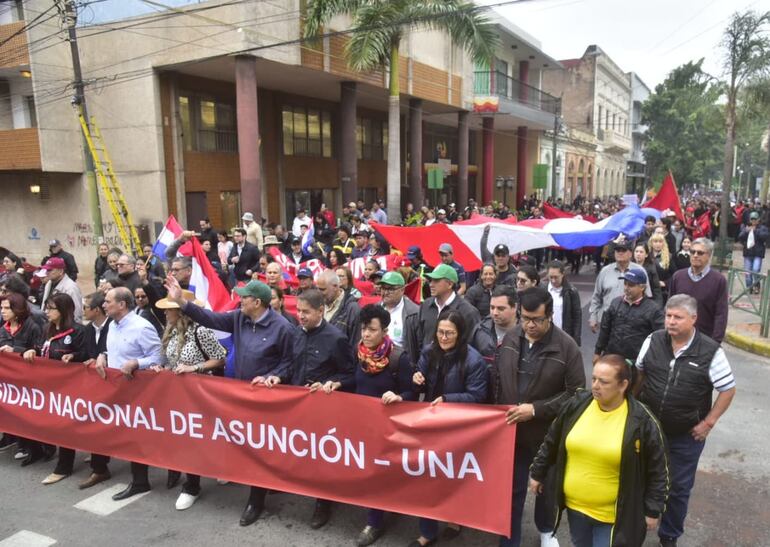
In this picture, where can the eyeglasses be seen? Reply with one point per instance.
(51, 308)
(522, 281)
(174, 270)
(446, 333)
(388, 288)
(697, 252)
(534, 320)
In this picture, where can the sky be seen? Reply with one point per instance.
(649, 37)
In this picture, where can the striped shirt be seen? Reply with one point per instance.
(720, 373)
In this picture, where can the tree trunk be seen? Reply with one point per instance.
(394, 144)
(727, 172)
(766, 175)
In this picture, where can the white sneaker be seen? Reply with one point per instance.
(547, 539)
(222, 481)
(20, 455)
(185, 501)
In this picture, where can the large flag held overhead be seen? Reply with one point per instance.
(667, 198)
(171, 230)
(466, 240)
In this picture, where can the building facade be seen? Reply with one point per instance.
(637, 177)
(596, 99)
(211, 110)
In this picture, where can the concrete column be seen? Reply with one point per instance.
(415, 153)
(348, 155)
(248, 134)
(462, 160)
(521, 165)
(488, 160)
(524, 79)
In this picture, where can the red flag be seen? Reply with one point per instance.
(667, 198)
(413, 290)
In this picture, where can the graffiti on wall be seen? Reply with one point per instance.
(82, 235)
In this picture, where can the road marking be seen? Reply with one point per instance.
(25, 538)
(102, 503)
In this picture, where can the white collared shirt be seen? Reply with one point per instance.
(558, 304)
(448, 301)
(396, 328)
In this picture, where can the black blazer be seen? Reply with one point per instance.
(249, 260)
(94, 348)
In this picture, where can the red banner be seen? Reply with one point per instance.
(451, 462)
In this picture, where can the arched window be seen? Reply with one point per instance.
(581, 178)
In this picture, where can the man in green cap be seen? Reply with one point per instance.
(754, 237)
(403, 312)
(443, 281)
(263, 342)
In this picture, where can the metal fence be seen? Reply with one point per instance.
(750, 292)
(497, 83)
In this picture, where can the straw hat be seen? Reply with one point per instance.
(166, 304)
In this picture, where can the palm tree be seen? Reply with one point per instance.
(377, 29)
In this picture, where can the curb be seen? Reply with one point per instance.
(747, 343)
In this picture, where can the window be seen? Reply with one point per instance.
(371, 139)
(230, 208)
(306, 132)
(600, 116)
(613, 122)
(30, 100)
(501, 77)
(208, 124)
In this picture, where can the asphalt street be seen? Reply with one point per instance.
(729, 506)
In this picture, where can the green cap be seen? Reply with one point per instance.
(392, 278)
(444, 271)
(257, 289)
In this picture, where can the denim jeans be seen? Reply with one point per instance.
(543, 518)
(587, 532)
(684, 453)
(752, 264)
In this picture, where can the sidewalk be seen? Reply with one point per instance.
(743, 327)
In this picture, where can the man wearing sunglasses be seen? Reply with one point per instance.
(707, 286)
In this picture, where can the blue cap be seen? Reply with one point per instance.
(413, 252)
(304, 272)
(636, 276)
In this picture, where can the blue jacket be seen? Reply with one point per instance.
(396, 378)
(320, 355)
(462, 382)
(263, 348)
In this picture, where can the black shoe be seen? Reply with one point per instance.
(7, 442)
(450, 532)
(368, 535)
(49, 451)
(173, 479)
(31, 458)
(131, 490)
(251, 514)
(320, 515)
(667, 542)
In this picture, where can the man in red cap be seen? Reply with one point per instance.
(57, 281)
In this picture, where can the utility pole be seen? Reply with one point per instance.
(79, 102)
(553, 153)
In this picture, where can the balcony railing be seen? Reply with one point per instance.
(494, 83)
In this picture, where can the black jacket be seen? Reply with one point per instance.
(61, 344)
(652, 278)
(625, 327)
(70, 267)
(249, 260)
(410, 342)
(643, 468)
(322, 354)
(572, 313)
(23, 339)
(680, 396)
(427, 319)
(478, 296)
(559, 375)
(100, 266)
(346, 319)
(94, 348)
(761, 236)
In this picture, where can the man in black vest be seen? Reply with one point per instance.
(679, 370)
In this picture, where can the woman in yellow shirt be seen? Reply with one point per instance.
(610, 462)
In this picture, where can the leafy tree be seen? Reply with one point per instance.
(685, 126)
(746, 45)
(377, 29)
(754, 124)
